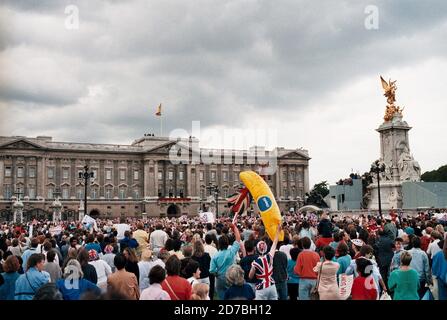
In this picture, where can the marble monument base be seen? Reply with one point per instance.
(390, 193)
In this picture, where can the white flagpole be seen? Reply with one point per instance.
(161, 125)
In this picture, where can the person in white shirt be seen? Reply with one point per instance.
(158, 238)
(102, 268)
(121, 228)
(209, 248)
(192, 271)
(433, 247)
(145, 266)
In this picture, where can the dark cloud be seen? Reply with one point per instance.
(225, 63)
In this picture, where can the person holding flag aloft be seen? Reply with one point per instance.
(262, 269)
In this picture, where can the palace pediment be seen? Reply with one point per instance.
(21, 143)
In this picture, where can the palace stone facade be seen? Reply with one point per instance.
(137, 179)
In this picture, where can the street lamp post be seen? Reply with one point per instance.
(85, 177)
(377, 167)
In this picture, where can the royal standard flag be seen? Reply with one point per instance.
(158, 113)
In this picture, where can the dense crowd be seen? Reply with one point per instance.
(390, 257)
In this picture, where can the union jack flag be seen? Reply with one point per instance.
(264, 271)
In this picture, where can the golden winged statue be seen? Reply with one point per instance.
(390, 94)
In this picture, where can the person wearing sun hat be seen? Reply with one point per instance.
(102, 268)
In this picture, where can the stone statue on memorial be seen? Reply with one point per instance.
(390, 93)
(388, 174)
(409, 168)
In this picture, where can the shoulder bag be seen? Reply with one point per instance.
(315, 295)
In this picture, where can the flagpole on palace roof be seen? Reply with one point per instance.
(161, 125)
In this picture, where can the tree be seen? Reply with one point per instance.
(317, 194)
(439, 175)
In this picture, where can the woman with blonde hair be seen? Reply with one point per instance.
(200, 291)
(238, 289)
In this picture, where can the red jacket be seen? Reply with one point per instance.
(425, 241)
(305, 263)
(363, 289)
(178, 288)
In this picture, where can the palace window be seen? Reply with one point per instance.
(285, 192)
(135, 175)
(171, 192)
(122, 174)
(50, 173)
(32, 192)
(109, 193)
(292, 175)
(32, 172)
(213, 175)
(95, 173)
(7, 191)
(136, 194)
(122, 193)
(180, 175)
(225, 176)
(202, 193)
(8, 171)
(65, 174)
(170, 175)
(201, 175)
(225, 193)
(50, 193)
(160, 175)
(65, 194)
(236, 176)
(94, 193)
(80, 193)
(20, 172)
(284, 176)
(108, 174)
(180, 192)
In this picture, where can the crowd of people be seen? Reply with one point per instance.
(186, 258)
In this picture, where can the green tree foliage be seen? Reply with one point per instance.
(318, 192)
(439, 175)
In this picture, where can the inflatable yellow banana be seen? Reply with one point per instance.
(263, 196)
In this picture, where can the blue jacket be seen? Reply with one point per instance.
(8, 288)
(29, 282)
(128, 243)
(74, 292)
(26, 255)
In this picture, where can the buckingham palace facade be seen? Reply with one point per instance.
(140, 179)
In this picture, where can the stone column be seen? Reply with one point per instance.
(188, 185)
(40, 177)
(101, 179)
(306, 179)
(155, 178)
(2, 178)
(146, 176)
(278, 182)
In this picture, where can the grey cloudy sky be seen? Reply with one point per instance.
(307, 69)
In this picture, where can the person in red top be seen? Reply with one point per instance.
(177, 287)
(363, 287)
(426, 238)
(305, 263)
